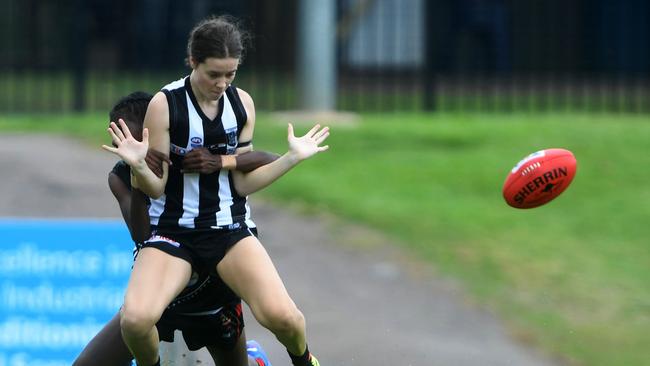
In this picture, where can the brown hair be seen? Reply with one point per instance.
(217, 36)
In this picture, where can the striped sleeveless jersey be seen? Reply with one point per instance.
(201, 201)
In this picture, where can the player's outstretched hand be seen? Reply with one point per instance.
(304, 147)
(132, 151)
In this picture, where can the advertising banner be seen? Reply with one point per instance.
(60, 282)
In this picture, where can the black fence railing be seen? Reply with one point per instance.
(449, 55)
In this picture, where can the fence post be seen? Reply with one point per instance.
(317, 54)
(78, 54)
(429, 68)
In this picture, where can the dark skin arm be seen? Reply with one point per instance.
(140, 226)
(249, 161)
(124, 198)
(154, 161)
(201, 160)
(133, 203)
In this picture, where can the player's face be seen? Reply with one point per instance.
(214, 75)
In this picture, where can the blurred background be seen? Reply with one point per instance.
(485, 55)
(447, 96)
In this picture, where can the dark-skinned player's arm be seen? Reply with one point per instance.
(201, 160)
(122, 194)
(251, 160)
(140, 227)
(134, 203)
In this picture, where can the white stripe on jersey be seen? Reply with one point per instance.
(190, 195)
(223, 216)
(156, 209)
(191, 181)
(249, 222)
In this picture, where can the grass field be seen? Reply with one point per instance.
(572, 277)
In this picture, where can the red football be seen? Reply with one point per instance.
(539, 178)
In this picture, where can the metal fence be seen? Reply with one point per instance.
(483, 55)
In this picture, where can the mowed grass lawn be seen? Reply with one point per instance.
(572, 277)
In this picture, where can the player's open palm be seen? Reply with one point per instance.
(304, 147)
(132, 151)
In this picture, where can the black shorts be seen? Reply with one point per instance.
(220, 328)
(203, 249)
(207, 311)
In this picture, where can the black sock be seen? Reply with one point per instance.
(303, 360)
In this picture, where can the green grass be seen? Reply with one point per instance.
(88, 127)
(572, 277)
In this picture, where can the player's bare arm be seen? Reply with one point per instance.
(133, 206)
(251, 160)
(123, 196)
(300, 148)
(132, 202)
(155, 159)
(139, 217)
(201, 160)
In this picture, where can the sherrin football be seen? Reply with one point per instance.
(539, 178)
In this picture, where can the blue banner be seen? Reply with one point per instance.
(60, 282)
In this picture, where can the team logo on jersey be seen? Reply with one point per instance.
(196, 142)
(231, 137)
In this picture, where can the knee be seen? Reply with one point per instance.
(136, 321)
(283, 319)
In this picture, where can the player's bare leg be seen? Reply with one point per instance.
(157, 278)
(249, 271)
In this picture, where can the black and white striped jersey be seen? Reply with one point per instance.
(201, 201)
